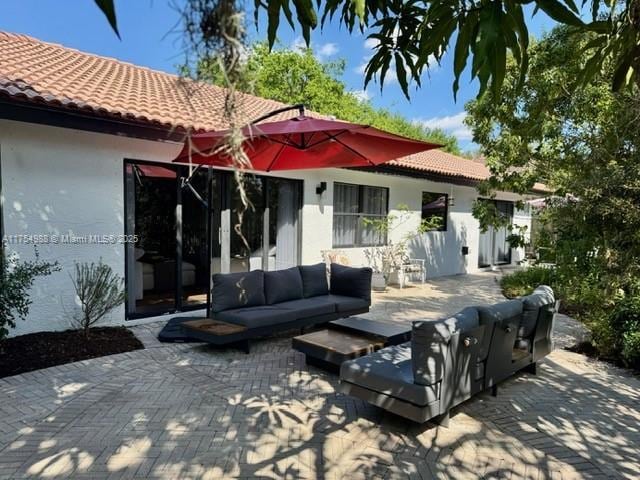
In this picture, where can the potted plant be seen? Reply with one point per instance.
(387, 260)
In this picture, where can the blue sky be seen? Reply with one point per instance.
(150, 32)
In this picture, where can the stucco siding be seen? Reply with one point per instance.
(61, 181)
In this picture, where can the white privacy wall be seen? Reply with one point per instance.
(60, 181)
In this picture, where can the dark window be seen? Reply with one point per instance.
(434, 210)
(351, 205)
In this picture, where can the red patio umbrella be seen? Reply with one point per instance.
(305, 142)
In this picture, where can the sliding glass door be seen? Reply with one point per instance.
(177, 220)
(167, 269)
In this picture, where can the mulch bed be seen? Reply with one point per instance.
(46, 349)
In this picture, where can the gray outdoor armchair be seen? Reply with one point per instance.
(450, 360)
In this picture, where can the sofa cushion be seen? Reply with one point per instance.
(388, 371)
(540, 298)
(260, 316)
(314, 280)
(282, 285)
(429, 341)
(347, 304)
(236, 290)
(310, 307)
(351, 282)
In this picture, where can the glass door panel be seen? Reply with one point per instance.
(246, 235)
(283, 202)
(151, 216)
(195, 257)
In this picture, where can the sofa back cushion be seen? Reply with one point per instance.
(314, 280)
(543, 299)
(351, 282)
(282, 285)
(501, 313)
(236, 290)
(429, 343)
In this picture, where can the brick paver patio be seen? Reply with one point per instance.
(189, 411)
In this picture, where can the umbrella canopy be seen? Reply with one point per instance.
(303, 143)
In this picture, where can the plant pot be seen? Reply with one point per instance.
(395, 277)
(378, 283)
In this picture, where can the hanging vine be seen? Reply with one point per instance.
(215, 30)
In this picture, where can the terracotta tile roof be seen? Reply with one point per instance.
(50, 74)
(443, 163)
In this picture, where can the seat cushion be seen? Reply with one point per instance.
(429, 340)
(347, 304)
(237, 290)
(388, 371)
(310, 307)
(314, 280)
(254, 317)
(282, 285)
(541, 297)
(351, 282)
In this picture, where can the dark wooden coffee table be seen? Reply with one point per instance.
(391, 333)
(346, 339)
(217, 332)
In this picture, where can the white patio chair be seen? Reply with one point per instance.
(411, 268)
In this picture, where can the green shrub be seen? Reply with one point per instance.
(16, 279)
(624, 323)
(631, 349)
(523, 282)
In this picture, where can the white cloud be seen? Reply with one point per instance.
(370, 43)
(452, 124)
(327, 50)
(361, 95)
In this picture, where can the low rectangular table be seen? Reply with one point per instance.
(346, 339)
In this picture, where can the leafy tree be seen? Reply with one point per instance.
(298, 77)
(585, 145)
(413, 35)
(16, 279)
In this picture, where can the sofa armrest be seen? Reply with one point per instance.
(542, 340)
(351, 282)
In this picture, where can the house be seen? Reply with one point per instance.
(86, 144)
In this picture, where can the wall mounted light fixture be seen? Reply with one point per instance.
(321, 188)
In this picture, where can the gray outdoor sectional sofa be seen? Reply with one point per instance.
(269, 302)
(450, 360)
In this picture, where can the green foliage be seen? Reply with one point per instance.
(391, 256)
(412, 36)
(16, 279)
(99, 290)
(616, 333)
(109, 10)
(585, 145)
(524, 282)
(294, 77)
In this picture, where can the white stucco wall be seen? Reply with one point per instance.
(58, 181)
